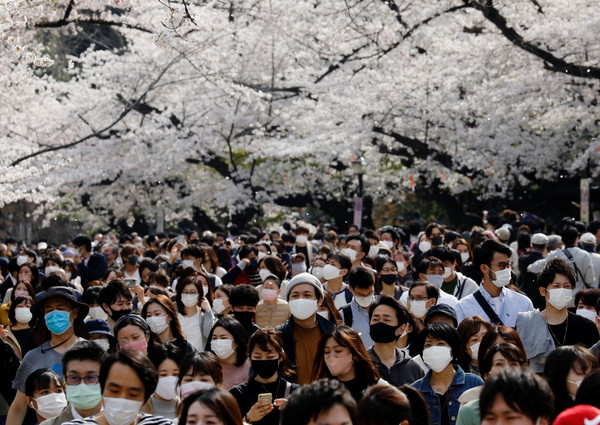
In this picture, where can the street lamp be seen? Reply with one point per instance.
(357, 164)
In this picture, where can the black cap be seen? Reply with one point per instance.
(444, 309)
(59, 292)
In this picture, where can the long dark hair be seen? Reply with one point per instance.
(221, 402)
(558, 365)
(240, 337)
(346, 337)
(169, 307)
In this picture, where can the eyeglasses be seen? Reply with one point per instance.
(190, 293)
(76, 380)
(504, 265)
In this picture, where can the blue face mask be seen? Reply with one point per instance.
(58, 321)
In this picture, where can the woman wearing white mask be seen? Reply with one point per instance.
(199, 371)
(194, 311)
(541, 332)
(228, 340)
(220, 305)
(342, 355)
(565, 370)
(471, 330)
(45, 393)
(161, 314)
(272, 265)
(446, 381)
(18, 335)
(166, 358)
(127, 380)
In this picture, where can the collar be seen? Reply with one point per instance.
(459, 379)
(487, 296)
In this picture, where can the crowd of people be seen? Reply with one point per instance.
(399, 325)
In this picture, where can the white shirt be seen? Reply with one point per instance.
(190, 325)
(507, 305)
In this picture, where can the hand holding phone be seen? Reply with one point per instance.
(266, 398)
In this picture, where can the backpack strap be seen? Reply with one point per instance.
(348, 295)
(487, 308)
(572, 261)
(461, 287)
(347, 310)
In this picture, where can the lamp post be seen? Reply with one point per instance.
(357, 164)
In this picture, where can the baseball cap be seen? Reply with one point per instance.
(444, 309)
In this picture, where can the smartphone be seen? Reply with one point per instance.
(267, 398)
(130, 282)
(181, 239)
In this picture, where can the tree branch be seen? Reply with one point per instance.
(551, 62)
(100, 132)
(64, 22)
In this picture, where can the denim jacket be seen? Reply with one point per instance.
(462, 381)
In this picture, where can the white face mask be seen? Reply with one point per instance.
(102, 343)
(97, 313)
(218, 305)
(22, 259)
(51, 269)
(189, 300)
(264, 273)
(475, 350)
(223, 348)
(364, 301)
(400, 265)
(437, 358)
(166, 387)
(389, 244)
(317, 272)
(560, 297)
(301, 239)
(350, 253)
(50, 405)
(261, 255)
(588, 314)
(302, 309)
(424, 246)
(330, 272)
(464, 256)
(187, 263)
(502, 278)
(435, 279)
(447, 272)
(23, 314)
(158, 324)
(298, 268)
(121, 411)
(324, 313)
(418, 308)
(373, 251)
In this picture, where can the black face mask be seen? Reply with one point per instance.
(253, 266)
(132, 260)
(244, 317)
(436, 241)
(388, 279)
(265, 368)
(117, 314)
(383, 333)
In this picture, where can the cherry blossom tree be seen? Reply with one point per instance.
(228, 107)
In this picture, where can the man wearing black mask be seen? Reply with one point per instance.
(388, 323)
(243, 300)
(246, 271)
(116, 301)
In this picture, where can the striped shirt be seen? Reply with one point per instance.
(145, 420)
